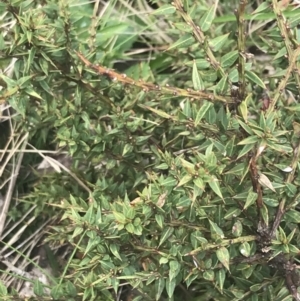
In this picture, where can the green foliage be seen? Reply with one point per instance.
(185, 173)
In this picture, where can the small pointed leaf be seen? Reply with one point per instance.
(249, 140)
(166, 233)
(229, 59)
(159, 285)
(185, 41)
(158, 112)
(202, 111)
(170, 286)
(217, 43)
(174, 269)
(223, 256)
(214, 185)
(237, 228)
(251, 198)
(245, 249)
(222, 85)
(207, 18)
(247, 148)
(220, 278)
(197, 81)
(255, 79)
(185, 179)
(165, 10)
(114, 250)
(264, 181)
(215, 229)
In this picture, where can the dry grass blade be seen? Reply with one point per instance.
(18, 259)
(12, 182)
(59, 166)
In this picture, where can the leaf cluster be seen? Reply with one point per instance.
(185, 174)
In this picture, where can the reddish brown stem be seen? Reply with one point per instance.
(124, 79)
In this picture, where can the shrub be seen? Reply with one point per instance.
(183, 146)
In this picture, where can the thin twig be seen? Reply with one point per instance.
(146, 87)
